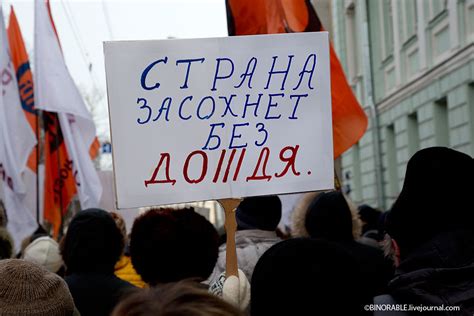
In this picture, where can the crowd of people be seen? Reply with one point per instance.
(339, 260)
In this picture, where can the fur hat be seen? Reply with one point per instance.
(259, 212)
(44, 251)
(435, 198)
(30, 290)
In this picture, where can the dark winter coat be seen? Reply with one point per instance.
(439, 272)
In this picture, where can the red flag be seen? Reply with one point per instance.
(249, 17)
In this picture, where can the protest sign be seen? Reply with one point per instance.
(204, 119)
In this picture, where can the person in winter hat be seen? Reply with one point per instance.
(168, 245)
(44, 251)
(124, 268)
(304, 276)
(92, 246)
(175, 299)
(430, 231)
(329, 217)
(30, 290)
(257, 219)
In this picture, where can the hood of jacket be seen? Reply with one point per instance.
(440, 271)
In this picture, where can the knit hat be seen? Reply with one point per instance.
(6, 244)
(329, 217)
(30, 290)
(259, 212)
(44, 251)
(305, 276)
(435, 198)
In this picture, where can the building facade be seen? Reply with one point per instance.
(411, 65)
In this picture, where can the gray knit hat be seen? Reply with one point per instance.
(30, 290)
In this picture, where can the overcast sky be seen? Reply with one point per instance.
(83, 25)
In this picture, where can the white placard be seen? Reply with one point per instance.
(204, 119)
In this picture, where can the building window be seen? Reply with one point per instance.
(351, 42)
(386, 22)
(392, 165)
(436, 7)
(413, 134)
(441, 126)
(409, 18)
(470, 20)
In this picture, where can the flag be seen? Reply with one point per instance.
(17, 140)
(70, 126)
(21, 64)
(248, 17)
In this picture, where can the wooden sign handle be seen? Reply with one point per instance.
(229, 205)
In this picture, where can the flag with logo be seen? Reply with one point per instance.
(70, 122)
(17, 141)
(249, 17)
(24, 77)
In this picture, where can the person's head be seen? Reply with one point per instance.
(169, 245)
(435, 198)
(308, 276)
(6, 244)
(369, 217)
(329, 217)
(30, 290)
(175, 299)
(120, 224)
(93, 243)
(259, 212)
(44, 251)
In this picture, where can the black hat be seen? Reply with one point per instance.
(329, 217)
(305, 276)
(259, 212)
(435, 198)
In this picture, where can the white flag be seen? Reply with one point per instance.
(55, 91)
(17, 140)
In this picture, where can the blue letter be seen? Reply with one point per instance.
(231, 146)
(298, 97)
(145, 73)
(190, 97)
(273, 105)
(307, 71)
(285, 72)
(164, 108)
(217, 71)
(247, 73)
(227, 103)
(144, 106)
(188, 61)
(261, 128)
(211, 135)
(199, 108)
(256, 104)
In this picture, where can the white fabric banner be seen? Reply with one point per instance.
(55, 91)
(17, 140)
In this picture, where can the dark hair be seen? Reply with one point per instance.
(6, 244)
(175, 299)
(329, 217)
(169, 245)
(93, 242)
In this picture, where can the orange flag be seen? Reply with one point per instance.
(249, 17)
(21, 63)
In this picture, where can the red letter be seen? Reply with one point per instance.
(226, 174)
(219, 165)
(204, 166)
(265, 150)
(167, 172)
(290, 161)
(239, 164)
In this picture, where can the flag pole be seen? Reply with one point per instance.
(38, 153)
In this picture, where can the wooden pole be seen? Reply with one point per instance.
(229, 205)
